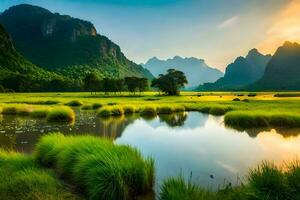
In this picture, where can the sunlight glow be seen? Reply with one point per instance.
(285, 28)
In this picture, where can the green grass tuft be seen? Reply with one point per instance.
(254, 119)
(39, 113)
(87, 107)
(102, 169)
(97, 106)
(164, 110)
(148, 110)
(22, 178)
(129, 109)
(75, 103)
(61, 114)
(9, 111)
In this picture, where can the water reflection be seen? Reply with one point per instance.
(179, 143)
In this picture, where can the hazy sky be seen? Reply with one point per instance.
(215, 30)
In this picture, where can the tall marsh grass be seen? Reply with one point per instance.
(264, 182)
(104, 170)
(61, 114)
(22, 178)
(254, 119)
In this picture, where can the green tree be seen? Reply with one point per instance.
(171, 82)
(91, 83)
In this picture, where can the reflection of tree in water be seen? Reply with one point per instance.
(285, 132)
(175, 119)
(113, 127)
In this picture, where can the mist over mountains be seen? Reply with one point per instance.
(196, 70)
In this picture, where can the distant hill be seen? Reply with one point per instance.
(66, 45)
(283, 70)
(243, 71)
(196, 70)
(16, 72)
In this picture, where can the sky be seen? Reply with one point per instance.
(217, 31)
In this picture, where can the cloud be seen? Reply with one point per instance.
(229, 22)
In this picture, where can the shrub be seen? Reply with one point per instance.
(62, 114)
(39, 113)
(97, 106)
(9, 111)
(75, 103)
(128, 109)
(50, 102)
(246, 100)
(104, 170)
(164, 110)
(112, 104)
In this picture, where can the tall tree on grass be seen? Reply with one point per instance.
(171, 82)
(142, 84)
(91, 83)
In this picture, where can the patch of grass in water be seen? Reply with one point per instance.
(24, 111)
(87, 107)
(39, 113)
(75, 103)
(254, 119)
(61, 114)
(9, 111)
(129, 109)
(104, 170)
(164, 110)
(148, 111)
(96, 106)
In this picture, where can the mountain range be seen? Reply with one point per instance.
(242, 72)
(196, 70)
(283, 70)
(65, 45)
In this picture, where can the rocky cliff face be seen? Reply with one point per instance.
(65, 44)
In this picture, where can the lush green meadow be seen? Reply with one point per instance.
(244, 110)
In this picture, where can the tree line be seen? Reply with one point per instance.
(133, 85)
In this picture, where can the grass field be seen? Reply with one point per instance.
(249, 110)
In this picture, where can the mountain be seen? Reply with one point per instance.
(283, 70)
(243, 71)
(66, 45)
(196, 70)
(16, 72)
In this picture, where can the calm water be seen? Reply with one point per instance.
(192, 144)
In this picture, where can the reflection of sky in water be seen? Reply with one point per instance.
(206, 149)
(184, 143)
